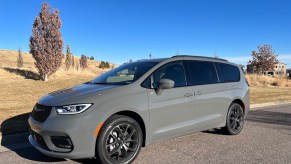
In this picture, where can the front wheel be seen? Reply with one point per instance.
(234, 119)
(119, 140)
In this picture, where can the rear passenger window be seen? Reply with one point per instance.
(201, 72)
(228, 73)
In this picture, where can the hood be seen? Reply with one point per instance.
(68, 95)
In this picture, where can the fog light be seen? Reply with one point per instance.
(62, 142)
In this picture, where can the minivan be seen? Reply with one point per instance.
(139, 103)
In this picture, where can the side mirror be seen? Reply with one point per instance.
(165, 84)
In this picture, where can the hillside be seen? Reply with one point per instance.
(8, 59)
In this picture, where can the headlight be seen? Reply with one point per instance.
(72, 109)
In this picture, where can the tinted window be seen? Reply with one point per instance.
(228, 73)
(173, 71)
(201, 72)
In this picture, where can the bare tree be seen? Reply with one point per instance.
(19, 58)
(83, 62)
(68, 61)
(46, 42)
(263, 60)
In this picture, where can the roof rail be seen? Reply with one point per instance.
(199, 57)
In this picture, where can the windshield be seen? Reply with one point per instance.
(124, 74)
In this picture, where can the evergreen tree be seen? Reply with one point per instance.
(107, 65)
(68, 61)
(19, 58)
(73, 61)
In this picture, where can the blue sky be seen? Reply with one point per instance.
(120, 30)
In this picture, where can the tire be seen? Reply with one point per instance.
(234, 119)
(119, 141)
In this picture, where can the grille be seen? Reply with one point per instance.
(40, 113)
(38, 139)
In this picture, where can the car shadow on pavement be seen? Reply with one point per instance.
(269, 117)
(33, 154)
(15, 132)
(15, 125)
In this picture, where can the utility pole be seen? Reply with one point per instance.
(215, 55)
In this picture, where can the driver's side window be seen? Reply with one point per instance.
(173, 71)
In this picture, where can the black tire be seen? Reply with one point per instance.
(119, 141)
(234, 119)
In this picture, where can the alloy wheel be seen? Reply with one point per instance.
(121, 143)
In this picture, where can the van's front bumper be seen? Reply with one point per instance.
(80, 130)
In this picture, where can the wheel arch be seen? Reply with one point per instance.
(137, 118)
(240, 102)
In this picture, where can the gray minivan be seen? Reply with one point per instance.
(139, 103)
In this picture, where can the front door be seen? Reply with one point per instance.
(172, 112)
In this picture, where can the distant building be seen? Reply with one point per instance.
(280, 69)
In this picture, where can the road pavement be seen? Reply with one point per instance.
(266, 138)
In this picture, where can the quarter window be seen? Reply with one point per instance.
(228, 73)
(201, 72)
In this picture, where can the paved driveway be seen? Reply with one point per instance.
(266, 138)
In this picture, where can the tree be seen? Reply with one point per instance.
(107, 65)
(112, 66)
(102, 65)
(92, 58)
(83, 62)
(73, 61)
(77, 65)
(19, 58)
(68, 61)
(263, 60)
(46, 42)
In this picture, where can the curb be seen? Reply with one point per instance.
(20, 141)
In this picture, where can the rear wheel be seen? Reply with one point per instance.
(119, 140)
(234, 119)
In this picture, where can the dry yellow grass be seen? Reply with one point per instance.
(269, 94)
(268, 81)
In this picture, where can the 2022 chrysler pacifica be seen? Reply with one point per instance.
(139, 103)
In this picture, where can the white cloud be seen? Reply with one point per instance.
(284, 57)
(238, 59)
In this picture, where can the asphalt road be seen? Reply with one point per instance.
(266, 138)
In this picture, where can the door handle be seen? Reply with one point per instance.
(198, 93)
(189, 94)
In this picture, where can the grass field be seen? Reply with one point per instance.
(19, 91)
